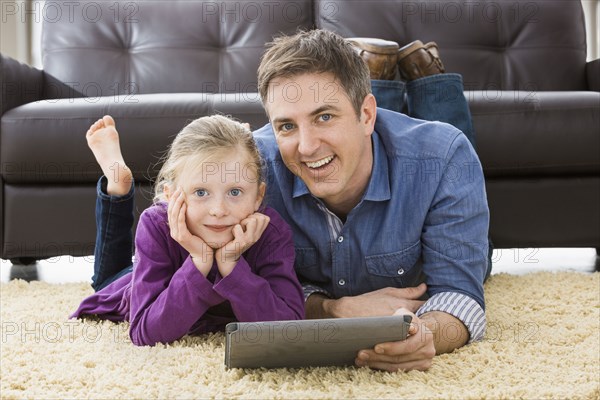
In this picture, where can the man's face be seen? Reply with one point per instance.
(320, 137)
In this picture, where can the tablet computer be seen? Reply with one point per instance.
(308, 343)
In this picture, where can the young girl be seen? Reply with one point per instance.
(207, 253)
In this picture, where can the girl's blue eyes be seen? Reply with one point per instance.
(232, 192)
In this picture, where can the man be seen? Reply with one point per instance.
(385, 209)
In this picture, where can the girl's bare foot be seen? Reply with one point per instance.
(103, 139)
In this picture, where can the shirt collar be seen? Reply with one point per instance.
(379, 183)
(300, 188)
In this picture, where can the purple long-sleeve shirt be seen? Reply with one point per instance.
(166, 297)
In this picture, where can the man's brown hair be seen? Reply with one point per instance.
(315, 51)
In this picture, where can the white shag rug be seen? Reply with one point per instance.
(543, 341)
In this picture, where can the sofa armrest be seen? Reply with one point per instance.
(592, 70)
(20, 84)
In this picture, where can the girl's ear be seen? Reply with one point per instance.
(262, 188)
(167, 191)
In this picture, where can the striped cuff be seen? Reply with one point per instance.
(312, 289)
(461, 306)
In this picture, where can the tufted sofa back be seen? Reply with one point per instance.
(496, 45)
(109, 47)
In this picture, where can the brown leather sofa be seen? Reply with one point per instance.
(154, 65)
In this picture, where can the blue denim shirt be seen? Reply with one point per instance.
(423, 218)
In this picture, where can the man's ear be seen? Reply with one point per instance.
(262, 188)
(368, 113)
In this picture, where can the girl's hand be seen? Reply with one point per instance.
(201, 253)
(245, 234)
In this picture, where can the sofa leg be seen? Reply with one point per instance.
(23, 260)
(24, 268)
(597, 260)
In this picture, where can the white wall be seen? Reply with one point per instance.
(591, 10)
(15, 26)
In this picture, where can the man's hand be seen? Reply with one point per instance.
(201, 253)
(416, 352)
(379, 303)
(245, 234)
(434, 333)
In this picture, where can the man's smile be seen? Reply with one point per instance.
(319, 163)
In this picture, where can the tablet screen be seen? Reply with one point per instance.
(315, 342)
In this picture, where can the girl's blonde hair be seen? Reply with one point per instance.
(202, 139)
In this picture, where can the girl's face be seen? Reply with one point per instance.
(219, 194)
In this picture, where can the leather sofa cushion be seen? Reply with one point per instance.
(54, 220)
(45, 141)
(517, 133)
(536, 133)
(573, 203)
(544, 212)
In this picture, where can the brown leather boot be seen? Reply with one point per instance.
(416, 60)
(380, 55)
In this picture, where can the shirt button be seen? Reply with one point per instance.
(340, 239)
(401, 271)
(341, 282)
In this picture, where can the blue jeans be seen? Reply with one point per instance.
(437, 97)
(114, 237)
(433, 98)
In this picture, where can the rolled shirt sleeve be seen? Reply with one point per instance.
(460, 306)
(309, 289)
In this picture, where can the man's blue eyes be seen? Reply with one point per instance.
(290, 126)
